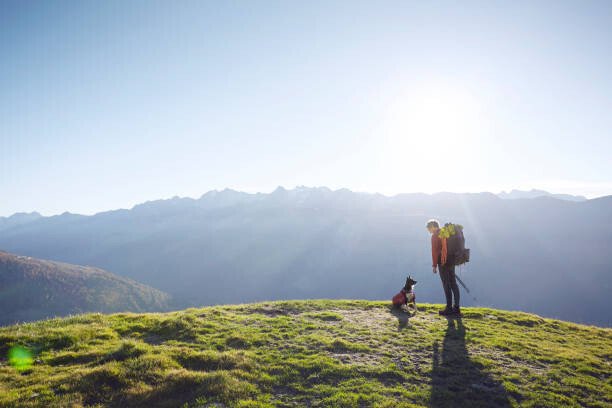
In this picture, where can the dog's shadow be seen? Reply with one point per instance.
(403, 318)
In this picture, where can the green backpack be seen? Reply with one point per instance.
(456, 252)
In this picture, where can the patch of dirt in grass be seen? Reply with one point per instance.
(417, 360)
(382, 320)
(507, 362)
(357, 358)
(271, 311)
(371, 319)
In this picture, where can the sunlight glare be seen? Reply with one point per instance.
(424, 128)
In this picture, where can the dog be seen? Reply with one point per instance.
(406, 299)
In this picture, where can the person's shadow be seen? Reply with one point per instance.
(456, 380)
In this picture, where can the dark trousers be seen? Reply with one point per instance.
(449, 283)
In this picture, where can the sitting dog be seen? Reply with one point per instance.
(406, 299)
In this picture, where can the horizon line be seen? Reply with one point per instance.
(297, 187)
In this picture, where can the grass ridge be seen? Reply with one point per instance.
(318, 353)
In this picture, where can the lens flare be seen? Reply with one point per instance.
(20, 358)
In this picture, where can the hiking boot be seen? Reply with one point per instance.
(457, 311)
(446, 311)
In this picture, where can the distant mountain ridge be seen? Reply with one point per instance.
(230, 196)
(519, 194)
(234, 247)
(18, 218)
(33, 289)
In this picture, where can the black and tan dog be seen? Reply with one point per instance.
(406, 299)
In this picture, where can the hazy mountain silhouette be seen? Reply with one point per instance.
(18, 219)
(542, 255)
(32, 289)
(517, 194)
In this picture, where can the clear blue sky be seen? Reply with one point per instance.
(105, 104)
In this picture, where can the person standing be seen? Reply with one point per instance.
(447, 271)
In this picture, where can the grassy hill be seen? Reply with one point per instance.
(32, 289)
(308, 353)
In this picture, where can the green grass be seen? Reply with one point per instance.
(319, 353)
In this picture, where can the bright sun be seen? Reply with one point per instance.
(426, 126)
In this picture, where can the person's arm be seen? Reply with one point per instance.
(436, 248)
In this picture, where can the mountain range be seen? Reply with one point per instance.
(514, 194)
(544, 255)
(33, 289)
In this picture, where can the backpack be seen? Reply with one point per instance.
(454, 251)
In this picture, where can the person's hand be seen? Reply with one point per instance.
(434, 269)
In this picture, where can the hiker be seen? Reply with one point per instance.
(447, 271)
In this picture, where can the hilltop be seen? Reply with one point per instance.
(32, 289)
(308, 353)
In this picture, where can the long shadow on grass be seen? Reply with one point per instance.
(457, 381)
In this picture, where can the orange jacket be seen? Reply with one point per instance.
(436, 249)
